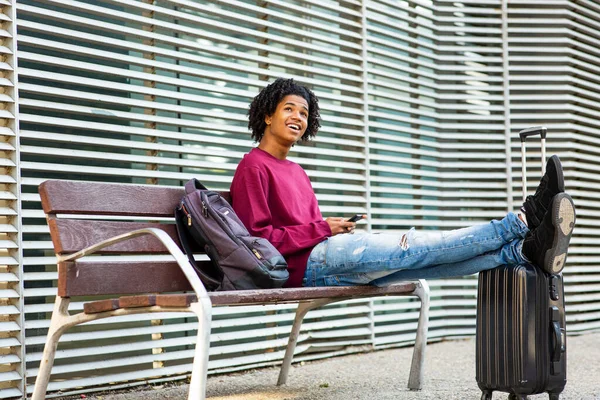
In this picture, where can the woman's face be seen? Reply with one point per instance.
(290, 119)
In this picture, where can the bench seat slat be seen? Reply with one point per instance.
(72, 235)
(304, 293)
(137, 301)
(101, 306)
(180, 300)
(250, 296)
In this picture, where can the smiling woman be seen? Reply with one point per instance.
(275, 200)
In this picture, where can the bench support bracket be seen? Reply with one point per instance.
(58, 325)
(303, 308)
(415, 380)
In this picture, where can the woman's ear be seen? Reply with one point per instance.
(268, 119)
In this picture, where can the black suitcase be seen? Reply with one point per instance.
(521, 337)
(521, 333)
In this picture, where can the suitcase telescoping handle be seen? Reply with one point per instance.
(524, 134)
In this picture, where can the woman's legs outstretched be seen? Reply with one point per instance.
(369, 258)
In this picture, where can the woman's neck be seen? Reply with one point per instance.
(273, 148)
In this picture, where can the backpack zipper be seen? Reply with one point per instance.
(257, 254)
(187, 214)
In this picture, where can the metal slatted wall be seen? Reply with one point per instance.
(554, 63)
(413, 98)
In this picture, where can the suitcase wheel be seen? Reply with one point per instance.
(554, 396)
(487, 395)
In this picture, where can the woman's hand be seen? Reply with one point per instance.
(340, 225)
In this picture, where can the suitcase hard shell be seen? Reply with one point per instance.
(521, 337)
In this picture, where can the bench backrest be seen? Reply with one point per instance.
(81, 214)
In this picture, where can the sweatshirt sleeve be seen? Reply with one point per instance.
(250, 194)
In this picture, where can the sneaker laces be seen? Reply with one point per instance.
(532, 211)
(530, 206)
(542, 186)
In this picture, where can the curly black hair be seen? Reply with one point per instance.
(265, 104)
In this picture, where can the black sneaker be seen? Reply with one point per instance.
(547, 246)
(551, 184)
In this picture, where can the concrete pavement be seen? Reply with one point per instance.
(381, 375)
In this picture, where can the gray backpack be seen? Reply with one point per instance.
(206, 221)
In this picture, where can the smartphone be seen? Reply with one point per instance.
(355, 218)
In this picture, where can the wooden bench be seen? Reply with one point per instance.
(140, 229)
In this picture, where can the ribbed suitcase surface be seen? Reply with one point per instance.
(521, 346)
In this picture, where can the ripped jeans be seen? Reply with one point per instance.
(382, 259)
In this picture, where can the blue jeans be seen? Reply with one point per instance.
(381, 259)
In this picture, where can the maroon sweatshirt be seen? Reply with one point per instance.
(275, 200)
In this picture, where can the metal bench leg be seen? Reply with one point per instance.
(58, 324)
(415, 379)
(203, 309)
(301, 311)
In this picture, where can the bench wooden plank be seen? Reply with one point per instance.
(71, 235)
(108, 278)
(78, 197)
(105, 278)
(73, 197)
(101, 306)
(176, 300)
(137, 301)
(181, 300)
(264, 296)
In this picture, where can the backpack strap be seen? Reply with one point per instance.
(193, 184)
(209, 282)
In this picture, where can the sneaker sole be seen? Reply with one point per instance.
(563, 219)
